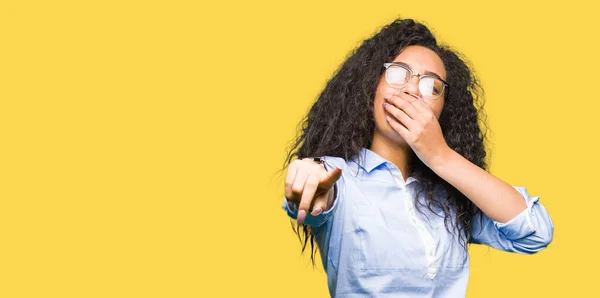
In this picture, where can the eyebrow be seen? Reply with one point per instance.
(427, 72)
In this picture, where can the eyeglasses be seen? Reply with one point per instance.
(399, 75)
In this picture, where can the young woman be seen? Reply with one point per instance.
(388, 173)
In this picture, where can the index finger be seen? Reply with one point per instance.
(329, 178)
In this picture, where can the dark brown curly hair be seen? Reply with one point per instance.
(341, 121)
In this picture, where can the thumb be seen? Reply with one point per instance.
(329, 178)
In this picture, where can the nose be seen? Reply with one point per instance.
(412, 88)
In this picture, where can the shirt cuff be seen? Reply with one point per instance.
(521, 225)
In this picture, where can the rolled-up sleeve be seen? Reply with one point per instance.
(528, 232)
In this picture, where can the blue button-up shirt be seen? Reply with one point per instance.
(373, 243)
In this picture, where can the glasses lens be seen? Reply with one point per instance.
(431, 87)
(397, 76)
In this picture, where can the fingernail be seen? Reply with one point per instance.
(387, 96)
(385, 104)
(316, 211)
(388, 118)
(301, 216)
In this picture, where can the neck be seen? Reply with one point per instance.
(400, 154)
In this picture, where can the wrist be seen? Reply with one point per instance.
(441, 159)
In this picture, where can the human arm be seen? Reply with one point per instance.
(510, 220)
(530, 231)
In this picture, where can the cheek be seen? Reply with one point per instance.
(378, 101)
(438, 113)
(437, 108)
(378, 111)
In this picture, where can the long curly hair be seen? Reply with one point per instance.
(341, 121)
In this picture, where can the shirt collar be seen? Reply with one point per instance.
(369, 160)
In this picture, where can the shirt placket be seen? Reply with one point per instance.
(428, 241)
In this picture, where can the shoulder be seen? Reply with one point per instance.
(334, 161)
(347, 167)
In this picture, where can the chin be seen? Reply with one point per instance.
(396, 138)
(391, 135)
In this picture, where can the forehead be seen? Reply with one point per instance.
(422, 60)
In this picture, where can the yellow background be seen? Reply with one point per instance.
(140, 140)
